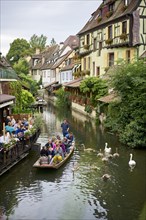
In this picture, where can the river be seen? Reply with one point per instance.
(65, 194)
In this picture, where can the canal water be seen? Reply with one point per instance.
(76, 191)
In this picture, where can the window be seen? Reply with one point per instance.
(111, 59)
(88, 39)
(95, 44)
(110, 32)
(97, 71)
(128, 56)
(93, 68)
(84, 63)
(124, 27)
(100, 48)
(126, 2)
(111, 7)
(88, 63)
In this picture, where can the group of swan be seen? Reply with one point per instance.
(107, 154)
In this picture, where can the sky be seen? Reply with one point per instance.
(54, 19)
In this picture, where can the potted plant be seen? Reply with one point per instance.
(123, 36)
(86, 46)
(27, 134)
(109, 41)
(109, 14)
(99, 19)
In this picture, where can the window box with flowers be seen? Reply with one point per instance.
(109, 14)
(99, 19)
(106, 68)
(86, 46)
(109, 41)
(124, 7)
(123, 36)
(86, 72)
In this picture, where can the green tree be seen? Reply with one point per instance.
(52, 42)
(17, 50)
(38, 42)
(62, 98)
(27, 99)
(127, 116)
(21, 67)
(94, 86)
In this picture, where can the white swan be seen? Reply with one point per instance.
(116, 154)
(107, 149)
(106, 176)
(87, 149)
(131, 163)
(75, 167)
(100, 154)
(105, 159)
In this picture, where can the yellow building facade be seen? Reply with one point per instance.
(115, 31)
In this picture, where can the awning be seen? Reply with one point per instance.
(6, 100)
(56, 85)
(74, 83)
(47, 85)
(109, 98)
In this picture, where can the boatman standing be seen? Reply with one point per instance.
(65, 127)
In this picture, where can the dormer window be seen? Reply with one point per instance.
(126, 2)
(111, 7)
(124, 27)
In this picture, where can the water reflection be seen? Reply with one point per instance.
(70, 193)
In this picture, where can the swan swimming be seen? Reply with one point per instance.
(132, 163)
(100, 154)
(116, 154)
(107, 149)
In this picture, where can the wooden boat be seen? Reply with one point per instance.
(37, 164)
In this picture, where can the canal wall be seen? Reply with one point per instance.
(75, 106)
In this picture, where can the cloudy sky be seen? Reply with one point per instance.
(54, 19)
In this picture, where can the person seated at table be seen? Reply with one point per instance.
(59, 156)
(9, 127)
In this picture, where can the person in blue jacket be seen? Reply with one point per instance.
(65, 127)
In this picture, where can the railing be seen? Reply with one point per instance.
(12, 155)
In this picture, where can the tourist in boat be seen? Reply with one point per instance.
(70, 137)
(50, 153)
(59, 156)
(49, 143)
(62, 146)
(66, 144)
(43, 151)
(65, 127)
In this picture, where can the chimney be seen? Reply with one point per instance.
(61, 45)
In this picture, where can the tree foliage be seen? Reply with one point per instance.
(17, 50)
(95, 86)
(38, 42)
(53, 42)
(62, 98)
(21, 67)
(128, 116)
